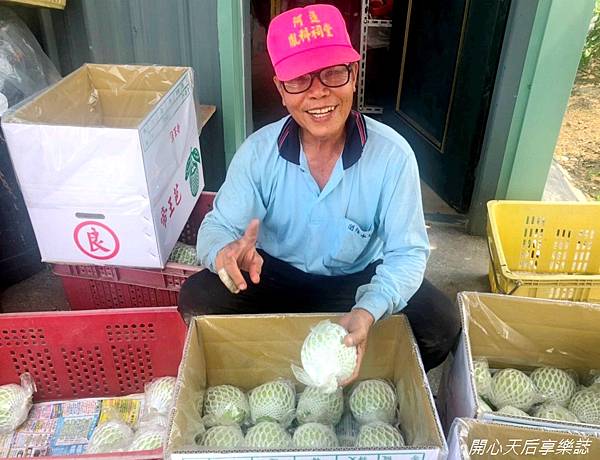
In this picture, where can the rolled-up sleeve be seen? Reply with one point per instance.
(405, 243)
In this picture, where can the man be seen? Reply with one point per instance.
(321, 211)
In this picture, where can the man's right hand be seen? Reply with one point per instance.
(242, 255)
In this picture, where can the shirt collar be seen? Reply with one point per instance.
(356, 137)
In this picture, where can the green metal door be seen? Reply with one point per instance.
(448, 53)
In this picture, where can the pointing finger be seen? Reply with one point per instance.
(251, 234)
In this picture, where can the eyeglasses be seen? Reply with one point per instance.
(332, 77)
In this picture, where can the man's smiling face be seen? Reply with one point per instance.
(321, 111)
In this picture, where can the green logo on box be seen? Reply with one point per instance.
(192, 171)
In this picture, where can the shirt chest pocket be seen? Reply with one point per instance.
(350, 240)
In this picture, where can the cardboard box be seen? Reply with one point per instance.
(523, 333)
(108, 160)
(247, 351)
(472, 439)
(56, 4)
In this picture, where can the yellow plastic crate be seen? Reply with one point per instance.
(543, 249)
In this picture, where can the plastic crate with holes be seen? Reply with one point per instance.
(92, 354)
(94, 286)
(545, 249)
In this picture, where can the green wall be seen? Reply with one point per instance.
(235, 85)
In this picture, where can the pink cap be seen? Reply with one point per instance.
(306, 39)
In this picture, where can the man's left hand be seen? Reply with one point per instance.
(357, 322)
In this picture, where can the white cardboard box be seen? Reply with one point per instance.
(108, 160)
(522, 333)
(247, 351)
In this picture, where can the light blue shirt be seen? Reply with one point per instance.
(369, 209)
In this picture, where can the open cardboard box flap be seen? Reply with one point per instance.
(247, 351)
(102, 95)
(529, 333)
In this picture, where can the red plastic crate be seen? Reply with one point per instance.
(94, 286)
(95, 353)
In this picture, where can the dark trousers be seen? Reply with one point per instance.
(434, 319)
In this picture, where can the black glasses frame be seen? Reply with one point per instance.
(317, 73)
